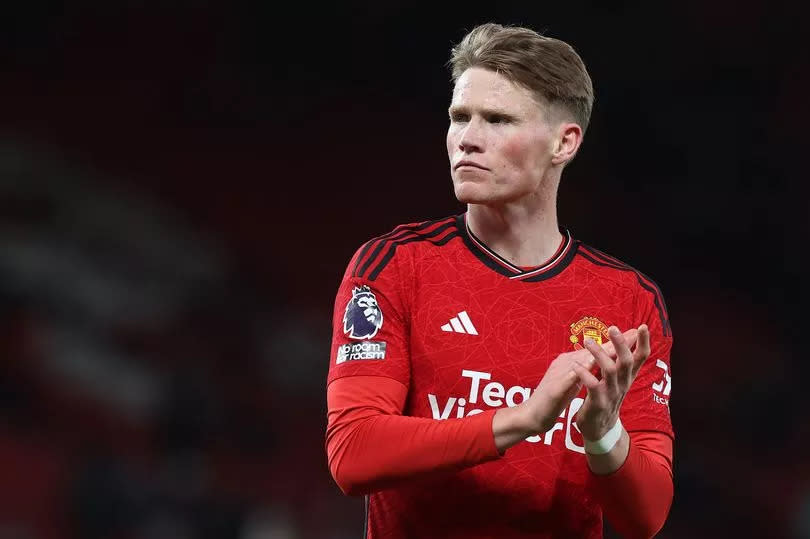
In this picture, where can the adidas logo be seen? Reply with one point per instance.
(460, 324)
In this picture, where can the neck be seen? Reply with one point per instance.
(525, 235)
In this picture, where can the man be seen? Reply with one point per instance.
(442, 329)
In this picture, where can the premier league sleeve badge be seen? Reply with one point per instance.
(363, 317)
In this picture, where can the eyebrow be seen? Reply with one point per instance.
(484, 112)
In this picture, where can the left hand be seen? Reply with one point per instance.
(600, 411)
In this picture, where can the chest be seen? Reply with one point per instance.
(488, 340)
(496, 322)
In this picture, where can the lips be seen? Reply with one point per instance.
(469, 164)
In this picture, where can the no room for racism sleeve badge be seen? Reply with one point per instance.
(363, 317)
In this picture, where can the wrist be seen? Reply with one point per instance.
(510, 426)
(521, 420)
(540, 419)
(607, 442)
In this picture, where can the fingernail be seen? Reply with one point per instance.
(588, 340)
(613, 330)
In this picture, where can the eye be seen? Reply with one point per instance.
(497, 119)
(459, 117)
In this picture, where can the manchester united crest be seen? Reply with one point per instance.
(590, 326)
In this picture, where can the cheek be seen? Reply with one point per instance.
(516, 151)
(524, 151)
(451, 141)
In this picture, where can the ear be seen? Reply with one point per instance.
(566, 143)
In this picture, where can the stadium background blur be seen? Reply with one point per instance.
(182, 184)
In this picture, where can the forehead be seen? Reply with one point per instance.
(478, 87)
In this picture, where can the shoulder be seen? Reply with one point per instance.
(623, 274)
(404, 241)
(610, 267)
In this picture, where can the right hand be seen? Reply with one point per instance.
(560, 385)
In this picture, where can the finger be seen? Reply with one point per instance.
(585, 377)
(630, 337)
(606, 364)
(624, 357)
(620, 344)
(642, 351)
(584, 357)
(572, 391)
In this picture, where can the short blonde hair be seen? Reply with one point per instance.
(550, 68)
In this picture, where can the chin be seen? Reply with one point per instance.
(470, 193)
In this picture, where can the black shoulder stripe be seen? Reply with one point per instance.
(639, 275)
(381, 242)
(426, 237)
(399, 231)
(399, 241)
(608, 258)
(658, 298)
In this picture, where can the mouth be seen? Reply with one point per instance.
(469, 164)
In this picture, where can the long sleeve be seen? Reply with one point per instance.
(637, 497)
(371, 446)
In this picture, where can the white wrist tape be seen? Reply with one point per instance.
(606, 442)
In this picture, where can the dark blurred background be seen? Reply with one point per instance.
(182, 184)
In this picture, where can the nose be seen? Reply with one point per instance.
(471, 139)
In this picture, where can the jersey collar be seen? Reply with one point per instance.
(558, 262)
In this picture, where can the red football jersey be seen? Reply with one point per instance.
(465, 331)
